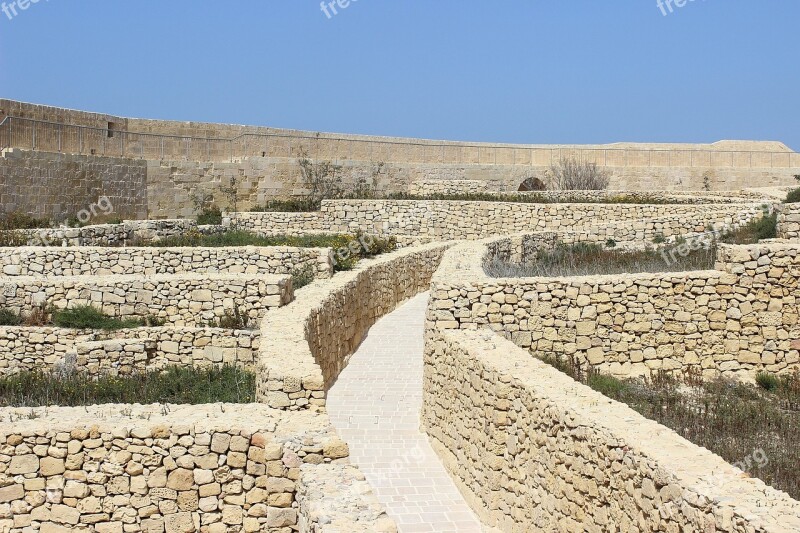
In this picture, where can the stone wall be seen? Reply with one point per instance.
(127, 232)
(338, 499)
(187, 158)
(305, 345)
(533, 450)
(736, 321)
(425, 187)
(34, 261)
(61, 186)
(117, 468)
(181, 300)
(454, 220)
(788, 221)
(30, 349)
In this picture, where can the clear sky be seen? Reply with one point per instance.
(527, 71)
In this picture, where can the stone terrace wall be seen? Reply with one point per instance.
(111, 234)
(788, 221)
(423, 187)
(737, 321)
(451, 220)
(533, 450)
(182, 300)
(50, 261)
(48, 185)
(306, 344)
(475, 220)
(28, 349)
(110, 468)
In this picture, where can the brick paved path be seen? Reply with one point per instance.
(375, 405)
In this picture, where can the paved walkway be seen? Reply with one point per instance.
(375, 405)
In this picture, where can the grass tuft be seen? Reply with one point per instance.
(87, 317)
(174, 385)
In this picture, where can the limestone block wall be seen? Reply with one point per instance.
(53, 261)
(533, 450)
(60, 186)
(181, 300)
(306, 344)
(788, 221)
(736, 321)
(30, 349)
(170, 468)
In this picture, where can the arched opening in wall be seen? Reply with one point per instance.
(532, 184)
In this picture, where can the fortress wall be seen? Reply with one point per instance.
(59, 186)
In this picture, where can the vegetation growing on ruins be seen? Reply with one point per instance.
(731, 419)
(593, 260)
(793, 196)
(575, 174)
(765, 227)
(174, 385)
(88, 317)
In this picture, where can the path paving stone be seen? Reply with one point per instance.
(375, 405)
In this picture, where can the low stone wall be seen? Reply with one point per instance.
(338, 499)
(117, 468)
(182, 300)
(29, 349)
(270, 223)
(424, 187)
(453, 220)
(735, 321)
(44, 261)
(533, 450)
(788, 221)
(305, 345)
(110, 234)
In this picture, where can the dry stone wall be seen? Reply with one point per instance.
(305, 345)
(114, 468)
(30, 349)
(736, 321)
(453, 220)
(424, 187)
(52, 261)
(788, 221)
(182, 300)
(122, 234)
(533, 450)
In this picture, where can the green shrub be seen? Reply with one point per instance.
(767, 381)
(87, 317)
(210, 216)
(765, 227)
(606, 385)
(294, 205)
(659, 239)
(233, 319)
(793, 197)
(175, 385)
(12, 221)
(9, 318)
(302, 277)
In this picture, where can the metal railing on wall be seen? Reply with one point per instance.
(47, 136)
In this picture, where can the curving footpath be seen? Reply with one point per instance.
(375, 406)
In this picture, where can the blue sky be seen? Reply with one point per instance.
(528, 71)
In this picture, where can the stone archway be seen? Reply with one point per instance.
(532, 184)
